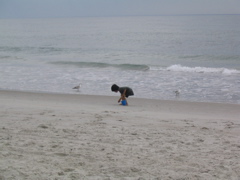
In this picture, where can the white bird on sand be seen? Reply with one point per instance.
(78, 87)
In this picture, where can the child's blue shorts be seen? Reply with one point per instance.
(124, 102)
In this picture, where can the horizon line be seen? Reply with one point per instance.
(108, 16)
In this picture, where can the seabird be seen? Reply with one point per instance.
(177, 93)
(77, 87)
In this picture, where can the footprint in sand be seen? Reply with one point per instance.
(43, 126)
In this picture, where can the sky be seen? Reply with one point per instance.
(93, 8)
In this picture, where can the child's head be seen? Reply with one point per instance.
(115, 88)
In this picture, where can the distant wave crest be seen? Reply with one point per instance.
(27, 49)
(104, 65)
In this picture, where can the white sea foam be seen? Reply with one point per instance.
(180, 68)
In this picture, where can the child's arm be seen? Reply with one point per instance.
(122, 96)
(120, 99)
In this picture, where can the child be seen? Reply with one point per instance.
(125, 92)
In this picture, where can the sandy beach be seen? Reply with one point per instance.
(60, 137)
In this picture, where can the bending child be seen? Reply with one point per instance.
(125, 93)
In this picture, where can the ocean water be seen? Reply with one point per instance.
(197, 55)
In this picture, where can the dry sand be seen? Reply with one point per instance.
(56, 136)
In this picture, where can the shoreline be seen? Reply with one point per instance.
(116, 95)
(68, 136)
(112, 100)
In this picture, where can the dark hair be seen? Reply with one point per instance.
(115, 87)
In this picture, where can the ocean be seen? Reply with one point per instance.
(198, 55)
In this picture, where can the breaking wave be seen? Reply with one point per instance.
(180, 68)
(142, 67)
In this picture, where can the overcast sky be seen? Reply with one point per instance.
(79, 8)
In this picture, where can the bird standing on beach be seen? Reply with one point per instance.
(177, 93)
(77, 87)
